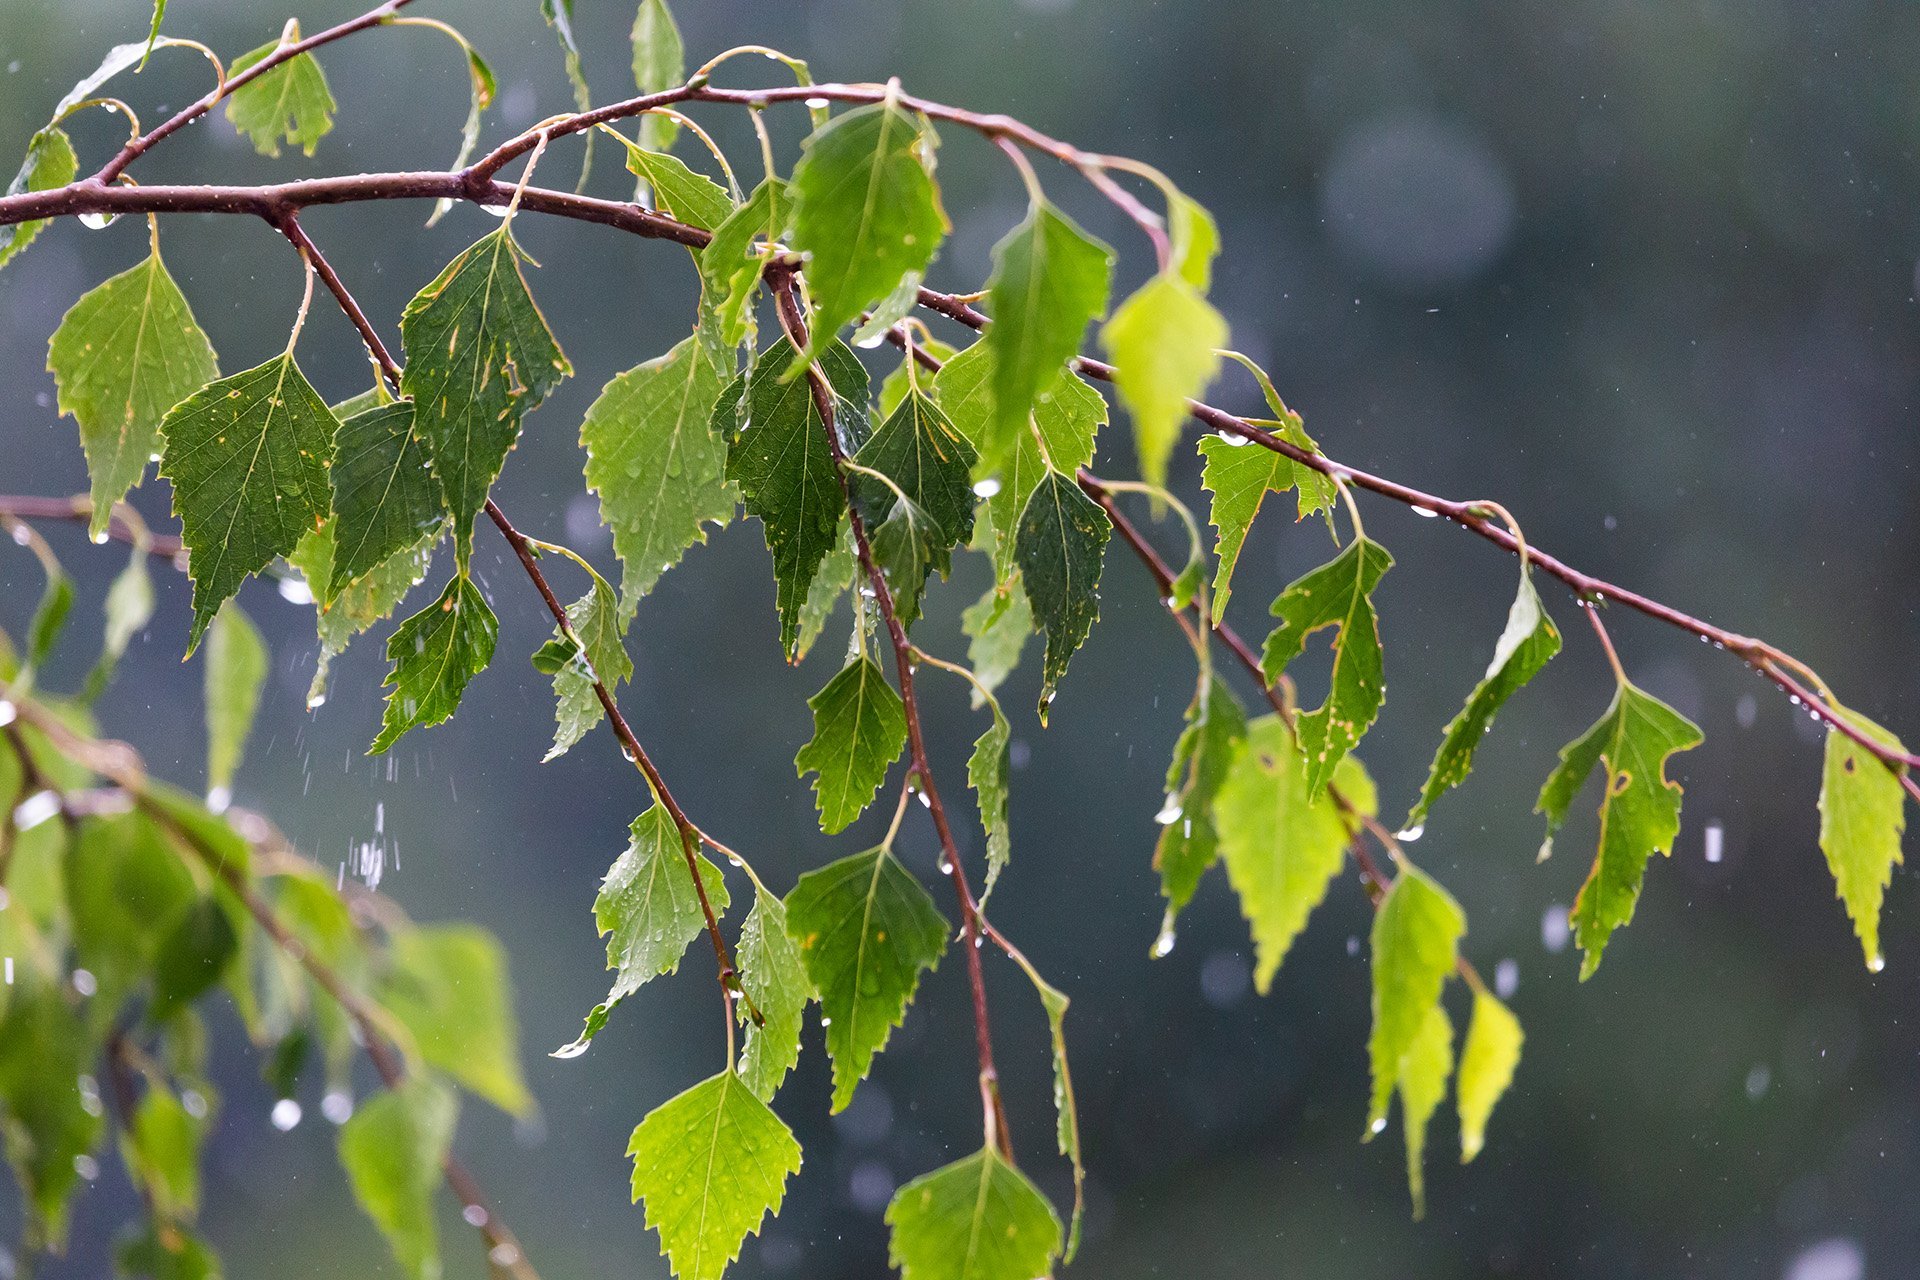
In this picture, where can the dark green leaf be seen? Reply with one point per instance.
(907, 547)
(291, 101)
(975, 1219)
(1189, 840)
(434, 654)
(920, 451)
(362, 603)
(859, 730)
(595, 620)
(166, 1254)
(126, 888)
(392, 1150)
(1239, 475)
(384, 498)
(1062, 540)
(44, 1050)
(192, 957)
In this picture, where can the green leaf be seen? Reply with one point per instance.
(153, 32)
(1066, 1111)
(1525, 645)
(49, 615)
(692, 198)
(932, 463)
(907, 375)
(448, 985)
(384, 498)
(1239, 474)
(392, 1150)
(1862, 816)
(987, 771)
(192, 958)
(248, 458)
(865, 928)
(1416, 938)
(126, 888)
(362, 603)
(483, 87)
(479, 357)
(559, 16)
(163, 1147)
(168, 1253)
(730, 264)
(1049, 283)
(1282, 845)
(907, 547)
(659, 63)
(859, 730)
(657, 464)
(997, 626)
(866, 211)
(128, 607)
(774, 977)
(44, 1049)
(1423, 1087)
(975, 1219)
(1487, 1064)
(1338, 594)
(710, 1165)
(1195, 240)
(1067, 416)
(123, 355)
(785, 469)
(889, 311)
(595, 619)
(1639, 809)
(1062, 540)
(648, 910)
(1189, 837)
(434, 654)
(50, 163)
(237, 668)
(1164, 339)
(291, 101)
(836, 575)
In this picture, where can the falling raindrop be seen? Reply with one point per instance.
(1716, 837)
(286, 1114)
(1170, 811)
(986, 488)
(1378, 1126)
(1428, 512)
(1506, 978)
(218, 798)
(1555, 932)
(337, 1106)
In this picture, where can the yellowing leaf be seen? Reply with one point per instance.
(1862, 816)
(1164, 339)
(1416, 938)
(1423, 1087)
(1487, 1064)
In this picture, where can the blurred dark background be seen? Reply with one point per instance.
(1645, 273)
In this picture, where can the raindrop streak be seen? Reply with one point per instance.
(1716, 841)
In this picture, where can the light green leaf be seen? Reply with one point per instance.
(1525, 645)
(908, 374)
(865, 211)
(163, 1150)
(889, 311)
(483, 86)
(1066, 1110)
(44, 1049)
(1416, 938)
(997, 626)
(1195, 240)
(975, 1219)
(49, 615)
(710, 1165)
(1423, 1087)
(785, 469)
(648, 910)
(659, 63)
(1487, 1064)
(774, 977)
(1282, 845)
(1049, 283)
(1189, 835)
(859, 730)
(1338, 594)
(434, 654)
(153, 32)
(987, 772)
(362, 603)
(1164, 339)
(595, 619)
(50, 163)
(128, 607)
(932, 463)
(1862, 816)
(236, 668)
(690, 197)
(291, 101)
(730, 264)
(448, 985)
(865, 928)
(1062, 540)
(248, 458)
(123, 355)
(392, 1150)
(479, 357)
(1639, 809)
(559, 16)
(836, 575)
(384, 498)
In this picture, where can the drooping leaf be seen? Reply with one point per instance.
(932, 463)
(659, 63)
(649, 911)
(49, 614)
(290, 102)
(595, 619)
(1423, 1087)
(1066, 1109)
(1239, 475)
(447, 984)
(866, 211)
(1049, 283)
(859, 730)
(559, 16)
(479, 357)
(237, 667)
(384, 497)
(392, 1149)
(866, 928)
(482, 88)
(889, 311)
(730, 264)
(997, 626)
(1487, 1064)
(50, 163)
(1416, 938)
(44, 1050)
(128, 607)
(124, 354)
(1195, 240)
(987, 772)
(836, 574)
(1639, 809)
(1164, 339)
(1338, 594)
(166, 1253)
(362, 603)
(976, 1219)
(163, 1144)
(907, 548)
(690, 197)
(1189, 835)
(248, 458)
(1525, 645)
(1862, 816)
(126, 888)
(774, 976)
(710, 1164)
(785, 469)
(1062, 541)
(434, 654)
(1282, 845)
(192, 957)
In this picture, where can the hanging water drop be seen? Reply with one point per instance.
(1163, 945)
(1412, 833)
(97, 221)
